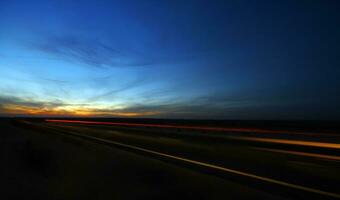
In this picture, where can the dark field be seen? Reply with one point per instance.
(253, 160)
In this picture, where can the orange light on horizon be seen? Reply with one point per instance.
(72, 111)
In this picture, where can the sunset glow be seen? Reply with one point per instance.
(172, 59)
(169, 99)
(74, 111)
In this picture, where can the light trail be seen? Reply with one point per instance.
(299, 153)
(212, 166)
(244, 138)
(202, 128)
(289, 142)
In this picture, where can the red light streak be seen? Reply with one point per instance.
(202, 128)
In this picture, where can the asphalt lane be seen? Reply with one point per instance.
(301, 173)
(57, 166)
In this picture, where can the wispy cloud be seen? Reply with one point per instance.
(10, 105)
(39, 80)
(92, 52)
(16, 106)
(218, 106)
(111, 93)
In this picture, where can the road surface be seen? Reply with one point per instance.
(76, 161)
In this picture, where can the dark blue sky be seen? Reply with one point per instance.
(171, 59)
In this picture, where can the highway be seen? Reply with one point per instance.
(186, 162)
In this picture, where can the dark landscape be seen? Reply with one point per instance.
(169, 99)
(72, 160)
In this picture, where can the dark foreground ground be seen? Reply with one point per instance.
(41, 160)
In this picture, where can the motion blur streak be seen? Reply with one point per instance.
(298, 153)
(291, 142)
(212, 166)
(250, 130)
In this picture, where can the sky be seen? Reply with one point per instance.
(187, 59)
